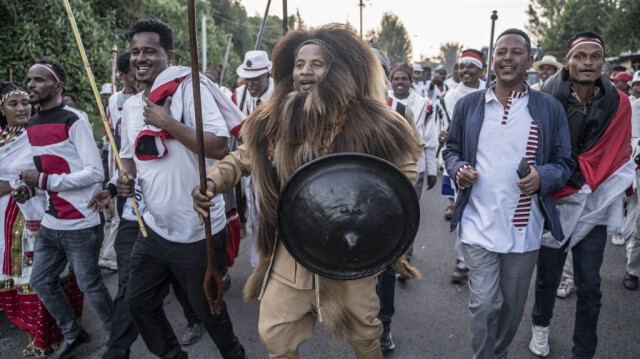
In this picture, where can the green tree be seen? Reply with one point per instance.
(623, 31)
(392, 37)
(555, 21)
(34, 30)
(449, 54)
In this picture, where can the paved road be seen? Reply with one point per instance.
(431, 319)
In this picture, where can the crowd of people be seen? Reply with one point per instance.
(561, 178)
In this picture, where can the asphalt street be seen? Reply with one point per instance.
(431, 319)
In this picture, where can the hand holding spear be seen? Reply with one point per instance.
(212, 273)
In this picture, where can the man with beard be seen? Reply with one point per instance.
(600, 132)
(506, 190)
(401, 75)
(159, 146)
(69, 169)
(469, 68)
(256, 70)
(329, 98)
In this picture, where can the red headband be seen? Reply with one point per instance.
(584, 41)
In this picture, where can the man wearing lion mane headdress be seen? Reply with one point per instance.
(329, 97)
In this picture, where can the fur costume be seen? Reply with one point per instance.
(343, 112)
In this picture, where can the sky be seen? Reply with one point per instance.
(429, 23)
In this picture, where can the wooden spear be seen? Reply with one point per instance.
(105, 122)
(212, 270)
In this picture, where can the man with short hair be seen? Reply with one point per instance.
(470, 66)
(401, 76)
(124, 225)
(256, 70)
(159, 148)
(600, 132)
(501, 209)
(70, 99)
(69, 169)
(545, 67)
(437, 88)
(419, 84)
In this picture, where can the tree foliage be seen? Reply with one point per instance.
(449, 54)
(553, 22)
(33, 30)
(392, 37)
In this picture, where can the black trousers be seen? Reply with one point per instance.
(153, 262)
(123, 332)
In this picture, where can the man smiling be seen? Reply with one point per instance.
(469, 68)
(501, 213)
(401, 75)
(159, 146)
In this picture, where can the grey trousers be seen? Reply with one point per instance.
(498, 290)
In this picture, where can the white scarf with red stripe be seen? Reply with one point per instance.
(172, 82)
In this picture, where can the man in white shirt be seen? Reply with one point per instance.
(401, 76)
(469, 67)
(502, 212)
(159, 145)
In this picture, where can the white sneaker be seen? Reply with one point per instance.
(108, 264)
(618, 240)
(565, 288)
(539, 344)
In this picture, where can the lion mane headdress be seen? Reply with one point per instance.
(345, 111)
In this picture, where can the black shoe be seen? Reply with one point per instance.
(66, 347)
(630, 281)
(386, 343)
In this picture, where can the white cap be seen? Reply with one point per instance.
(255, 64)
(106, 89)
(636, 77)
(417, 67)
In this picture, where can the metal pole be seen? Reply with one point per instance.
(257, 47)
(494, 17)
(226, 58)
(361, 6)
(285, 18)
(105, 123)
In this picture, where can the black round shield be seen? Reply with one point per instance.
(347, 215)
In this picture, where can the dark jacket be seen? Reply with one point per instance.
(601, 110)
(553, 160)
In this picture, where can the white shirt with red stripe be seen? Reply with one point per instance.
(67, 157)
(167, 182)
(488, 218)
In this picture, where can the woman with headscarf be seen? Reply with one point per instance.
(19, 224)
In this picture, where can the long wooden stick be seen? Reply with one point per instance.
(212, 270)
(105, 122)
